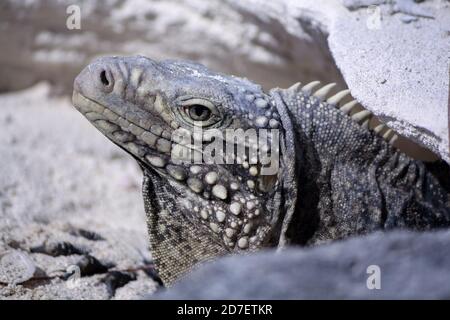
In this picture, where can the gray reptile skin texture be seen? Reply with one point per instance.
(337, 176)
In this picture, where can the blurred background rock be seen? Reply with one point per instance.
(37, 45)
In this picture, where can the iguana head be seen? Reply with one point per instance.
(214, 140)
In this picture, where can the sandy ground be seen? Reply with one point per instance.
(68, 197)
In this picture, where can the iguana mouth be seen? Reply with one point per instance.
(150, 147)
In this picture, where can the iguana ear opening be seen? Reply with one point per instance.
(288, 168)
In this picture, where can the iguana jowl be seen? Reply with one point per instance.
(338, 175)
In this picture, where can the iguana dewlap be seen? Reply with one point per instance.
(337, 173)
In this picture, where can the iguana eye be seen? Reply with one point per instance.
(199, 112)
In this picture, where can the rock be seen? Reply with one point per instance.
(58, 249)
(210, 32)
(411, 266)
(90, 265)
(137, 289)
(90, 235)
(117, 279)
(397, 70)
(16, 267)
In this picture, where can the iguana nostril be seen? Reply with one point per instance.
(104, 78)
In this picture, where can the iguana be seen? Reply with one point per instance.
(338, 174)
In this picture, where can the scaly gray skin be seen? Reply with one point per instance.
(337, 177)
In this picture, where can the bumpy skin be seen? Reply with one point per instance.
(336, 178)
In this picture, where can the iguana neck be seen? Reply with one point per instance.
(326, 135)
(345, 172)
(325, 141)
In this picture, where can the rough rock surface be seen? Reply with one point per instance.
(276, 43)
(67, 197)
(411, 266)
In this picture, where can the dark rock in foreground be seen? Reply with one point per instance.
(411, 265)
